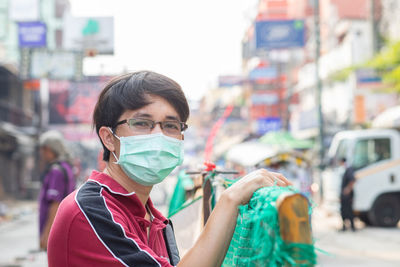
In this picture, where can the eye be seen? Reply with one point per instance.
(138, 123)
(172, 125)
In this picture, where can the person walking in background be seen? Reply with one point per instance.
(57, 180)
(346, 195)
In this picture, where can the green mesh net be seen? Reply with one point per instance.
(178, 197)
(257, 241)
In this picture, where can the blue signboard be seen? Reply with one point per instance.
(263, 73)
(268, 124)
(32, 34)
(279, 34)
(366, 76)
(230, 80)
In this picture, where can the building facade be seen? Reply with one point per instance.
(29, 25)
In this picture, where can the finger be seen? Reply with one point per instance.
(282, 180)
(279, 182)
(273, 178)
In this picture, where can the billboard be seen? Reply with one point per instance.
(265, 99)
(74, 101)
(55, 64)
(267, 73)
(230, 80)
(93, 34)
(268, 124)
(279, 34)
(368, 78)
(32, 34)
(24, 10)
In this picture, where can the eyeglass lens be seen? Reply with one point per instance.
(145, 126)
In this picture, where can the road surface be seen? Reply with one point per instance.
(366, 247)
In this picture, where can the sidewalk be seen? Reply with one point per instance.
(19, 236)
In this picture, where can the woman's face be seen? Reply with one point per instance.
(47, 154)
(159, 110)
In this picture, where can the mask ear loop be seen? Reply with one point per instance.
(115, 162)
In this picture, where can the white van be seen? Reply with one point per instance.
(375, 155)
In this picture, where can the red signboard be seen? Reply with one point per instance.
(73, 102)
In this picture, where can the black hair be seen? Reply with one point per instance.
(131, 92)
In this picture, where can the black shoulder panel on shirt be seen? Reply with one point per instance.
(110, 233)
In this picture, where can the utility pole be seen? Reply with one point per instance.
(374, 28)
(289, 91)
(318, 82)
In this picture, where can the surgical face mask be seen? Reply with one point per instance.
(149, 159)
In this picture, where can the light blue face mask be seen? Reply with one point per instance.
(149, 159)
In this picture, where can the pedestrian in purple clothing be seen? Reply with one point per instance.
(57, 180)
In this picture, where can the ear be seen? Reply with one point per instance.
(107, 138)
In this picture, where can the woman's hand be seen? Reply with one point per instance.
(241, 191)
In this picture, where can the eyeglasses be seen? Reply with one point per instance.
(145, 126)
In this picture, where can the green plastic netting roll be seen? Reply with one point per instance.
(257, 241)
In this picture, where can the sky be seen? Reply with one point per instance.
(192, 42)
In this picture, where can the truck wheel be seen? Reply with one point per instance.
(364, 218)
(385, 211)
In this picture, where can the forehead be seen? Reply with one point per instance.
(158, 109)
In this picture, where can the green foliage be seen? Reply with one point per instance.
(341, 75)
(387, 59)
(386, 63)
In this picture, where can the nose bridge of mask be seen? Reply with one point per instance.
(154, 143)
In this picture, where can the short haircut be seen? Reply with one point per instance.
(130, 92)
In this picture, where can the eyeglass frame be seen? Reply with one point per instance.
(183, 125)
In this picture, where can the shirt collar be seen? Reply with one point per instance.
(115, 188)
(109, 183)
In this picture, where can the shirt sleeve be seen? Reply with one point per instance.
(112, 234)
(56, 185)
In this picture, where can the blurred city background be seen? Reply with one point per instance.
(287, 85)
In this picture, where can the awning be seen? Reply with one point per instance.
(12, 138)
(284, 140)
(249, 154)
(390, 118)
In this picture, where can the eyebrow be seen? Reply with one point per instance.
(146, 115)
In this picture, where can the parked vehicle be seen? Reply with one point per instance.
(375, 155)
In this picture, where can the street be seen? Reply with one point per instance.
(168, 97)
(19, 238)
(366, 247)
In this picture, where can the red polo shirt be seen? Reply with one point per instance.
(101, 224)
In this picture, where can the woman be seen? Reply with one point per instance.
(58, 181)
(110, 221)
